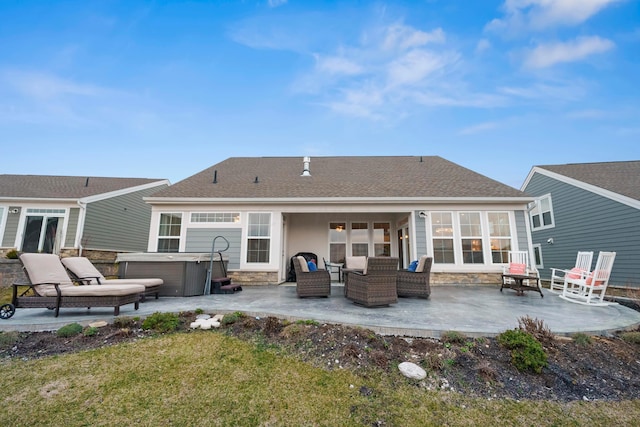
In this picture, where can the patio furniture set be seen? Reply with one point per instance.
(368, 281)
(579, 284)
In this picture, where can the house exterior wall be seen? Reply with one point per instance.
(201, 239)
(10, 227)
(119, 223)
(586, 221)
(72, 227)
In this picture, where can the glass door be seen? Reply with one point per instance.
(41, 234)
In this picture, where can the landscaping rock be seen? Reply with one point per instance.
(411, 370)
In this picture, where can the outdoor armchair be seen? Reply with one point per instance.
(416, 283)
(311, 283)
(583, 265)
(589, 287)
(376, 284)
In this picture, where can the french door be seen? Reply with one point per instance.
(42, 232)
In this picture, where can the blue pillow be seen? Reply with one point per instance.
(312, 266)
(413, 266)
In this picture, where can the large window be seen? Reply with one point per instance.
(360, 239)
(500, 235)
(259, 237)
(471, 234)
(337, 242)
(542, 213)
(442, 232)
(381, 239)
(169, 232)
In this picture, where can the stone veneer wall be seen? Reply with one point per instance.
(254, 277)
(11, 272)
(465, 278)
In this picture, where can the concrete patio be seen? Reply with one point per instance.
(472, 310)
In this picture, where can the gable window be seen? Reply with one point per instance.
(259, 237)
(500, 236)
(542, 213)
(471, 233)
(442, 232)
(169, 232)
(337, 242)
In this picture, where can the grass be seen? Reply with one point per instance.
(211, 379)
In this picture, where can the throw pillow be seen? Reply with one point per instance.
(412, 267)
(575, 273)
(312, 266)
(515, 268)
(303, 264)
(421, 264)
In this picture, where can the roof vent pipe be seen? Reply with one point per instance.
(215, 176)
(305, 169)
(256, 180)
(86, 183)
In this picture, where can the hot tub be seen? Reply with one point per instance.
(184, 273)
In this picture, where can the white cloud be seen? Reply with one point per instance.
(402, 37)
(547, 55)
(415, 66)
(546, 92)
(277, 3)
(541, 14)
(483, 45)
(482, 127)
(337, 65)
(47, 86)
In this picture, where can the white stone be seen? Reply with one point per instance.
(203, 316)
(195, 325)
(205, 325)
(98, 324)
(411, 370)
(218, 317)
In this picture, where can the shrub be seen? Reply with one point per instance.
(631, 337)
(161, 322)
(229, 319)
(123, 321)
(308, 322)
(582, 339)
(527, 353)
(453, 337)
(8, 339)
(90, 331)
(537, 328)
(12, 254)
(69, 330)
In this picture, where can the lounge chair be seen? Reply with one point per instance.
(50, 287)
(583, 264)
(416, 283)
(376, 285)
(311, 283)
(589, 287)
(84, 271)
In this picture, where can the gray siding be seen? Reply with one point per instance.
(421, 235)
(521, 229)
(72, 227)
(11, 228)
(588, 222)
(200, 240)
(120, 223)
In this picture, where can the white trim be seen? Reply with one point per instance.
(3, 221)
(584, 186)
(128, 190)
(331, 200)
(540, 213)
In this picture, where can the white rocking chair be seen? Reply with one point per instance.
(589, 287)
(583, 263)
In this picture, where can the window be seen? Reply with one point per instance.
(471, 233)
(229, 217)
(381, 239)
(542, 213)
(259, 237)
(337, 242)
(537, 253)
(442, 232)
(359, 239)
(169, 232)
(500, 236)
(43, 230)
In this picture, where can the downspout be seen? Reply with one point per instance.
(80, 230)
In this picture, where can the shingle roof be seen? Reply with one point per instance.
(368, 177)
(619, 177)
(63, 187)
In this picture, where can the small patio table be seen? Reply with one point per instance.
(519, 285)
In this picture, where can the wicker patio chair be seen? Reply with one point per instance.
(416, 284)
(376, 285)
(50, 287)
(311, 283)
(81, 269)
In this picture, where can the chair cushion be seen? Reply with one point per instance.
(575, 273)
(356, 262)
(83, 268)
(312, 266)
(421, 264)
(516, 268)
(96, 290)
(303, 264)
(590, 281)
(412, 267)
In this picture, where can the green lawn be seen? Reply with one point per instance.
(206, 378)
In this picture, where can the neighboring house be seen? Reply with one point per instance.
(54, 214)
(270, 208)
(587, 207)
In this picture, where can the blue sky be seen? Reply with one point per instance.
(164, 89)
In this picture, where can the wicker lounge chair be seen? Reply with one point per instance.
(50, 287)
(376, 285)
(311, 283)
(416, 284)
(84, 271)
